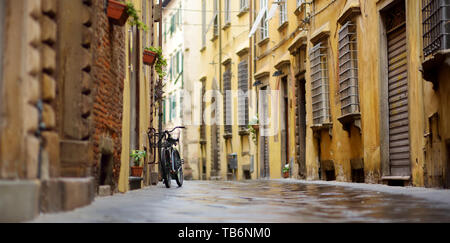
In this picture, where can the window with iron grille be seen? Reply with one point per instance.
(319, 84)
(227, 101)
(216, 19)
(227, 12)
(436, 25)
(243, 5)
(348, 69)
(264, 21)
(283, 13)
(243, 95)
(203, 23)
(202, 126)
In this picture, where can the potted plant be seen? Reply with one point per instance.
(253, 128)
(137, 156)
(161, 62)
(286, 170)
(150, 55)
(119, 13)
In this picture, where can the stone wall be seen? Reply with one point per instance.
(108, 73)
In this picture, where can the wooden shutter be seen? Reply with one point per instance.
(319, 84)
(243, 100)
(399, 143)
(348, 69)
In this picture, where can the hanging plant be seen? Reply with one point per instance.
(161, 62)
(117, 12)
(135, 20)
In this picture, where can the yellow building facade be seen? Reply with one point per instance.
(138, 96)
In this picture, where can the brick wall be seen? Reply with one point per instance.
(108, 73)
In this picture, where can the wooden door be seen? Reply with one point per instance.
(300, 133)
(399, 138)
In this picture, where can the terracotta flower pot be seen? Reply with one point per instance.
(286, 174)
(136, 171)
(117, 12)
(149, 57)
(256, 127)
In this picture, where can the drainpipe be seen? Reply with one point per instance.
(160, 114)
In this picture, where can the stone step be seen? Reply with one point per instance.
(65, 194)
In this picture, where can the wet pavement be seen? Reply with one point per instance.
(256, 202)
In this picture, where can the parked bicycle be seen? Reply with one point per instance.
(170, 162)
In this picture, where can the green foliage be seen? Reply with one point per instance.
(138, 155)
(161, 62)
(286, 169)
(135, 20)
(252, 130)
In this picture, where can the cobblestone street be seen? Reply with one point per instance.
(275, 201)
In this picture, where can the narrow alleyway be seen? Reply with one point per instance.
(265, 202)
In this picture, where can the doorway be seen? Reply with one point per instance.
(301, 127)
(397, 90)
(106, 170)
(264, 139)
(447, 174)
(134, 43)
(284, 122)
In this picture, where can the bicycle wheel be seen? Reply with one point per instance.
(178, 168)
(165, 162)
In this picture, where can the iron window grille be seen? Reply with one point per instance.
(319, 84)
(227, 101)
(243, 112)
(243, 5)
(283, 13)
(436, 25)
(348, 69)
(264, 21)
(227, 12)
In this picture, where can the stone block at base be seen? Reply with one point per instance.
(19, 200)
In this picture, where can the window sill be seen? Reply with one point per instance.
(244, 132)
(283, 26)
(215, 38)
(226, 26)
(263, 42)
(242, 12)
(351, 119)
(318, 128)
(298, 10)
(227, 135)
(433, 64)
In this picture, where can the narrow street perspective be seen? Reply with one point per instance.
(264, 201)
(260, 111)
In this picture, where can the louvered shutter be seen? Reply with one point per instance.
(399, 142)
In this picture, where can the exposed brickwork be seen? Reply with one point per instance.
(108, 73)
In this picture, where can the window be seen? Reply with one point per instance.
(216, 20)
(243, 5)
(227, 12)
(203, 23)
(300, 2)
(243, 96)
(319, 84)
(436, 25)
(348, 69)
(264, 21)
(228, 102)
(283, 13)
